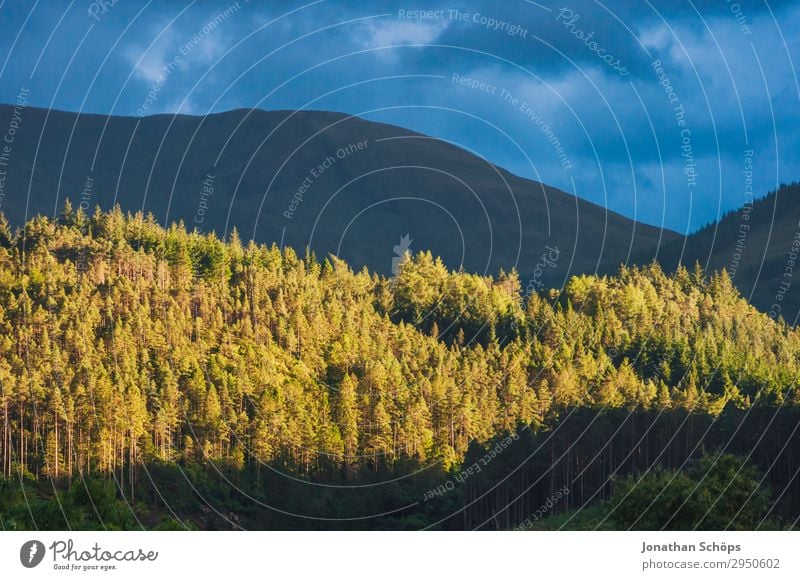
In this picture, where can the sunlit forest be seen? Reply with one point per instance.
(155, 376)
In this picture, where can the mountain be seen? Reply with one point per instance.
(759, 246)
(336, 183)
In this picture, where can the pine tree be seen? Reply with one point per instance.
(348, 415)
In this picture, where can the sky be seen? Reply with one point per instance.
(671, 113)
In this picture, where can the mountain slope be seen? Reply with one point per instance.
(336, 183)
(759, 245)
(216, 363)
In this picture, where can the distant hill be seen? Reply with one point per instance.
(364, 186)
(759, 246)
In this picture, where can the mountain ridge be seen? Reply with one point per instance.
(473, 213)
(754, 244)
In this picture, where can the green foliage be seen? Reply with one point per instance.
(122, 342)
(714, 492)
(87, 504)
(718, 492)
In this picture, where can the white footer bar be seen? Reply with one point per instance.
(389, 555)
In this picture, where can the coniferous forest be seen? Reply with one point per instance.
(161, 378)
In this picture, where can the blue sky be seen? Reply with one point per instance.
(653, 106)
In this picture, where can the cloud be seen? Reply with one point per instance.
(402, 32)
(184, 106)
(149, 63)
(175, 48)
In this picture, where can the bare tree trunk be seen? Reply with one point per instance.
(55, 453)
(6, 442)
(69, 450)
(21, 441)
